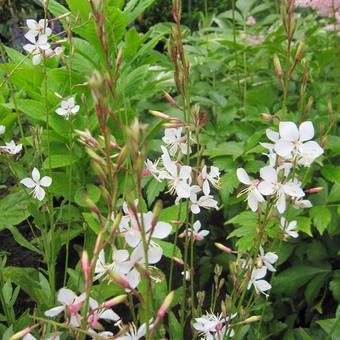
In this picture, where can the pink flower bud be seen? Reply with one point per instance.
(114, 301)
(267, 117)
(86, 268)
(165, 305)
(119, 280)
(224, 248)
(251, 21)
(160, 115)
(314, 190)
(177, 260)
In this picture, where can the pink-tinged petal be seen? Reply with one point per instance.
(268, 174)
(133, 277)
(93, 303)
(29, 48)
(272, 135)
(252, 202)
(195, 209)
(243, 176)
(31, 24)
(155, 253)
(293, 190)
(263, 285)
(312, 148)
(132, 238)
(46, 181)
(185, 172)
(66, 296)
(30, 36)
(29, 337)
(289, 131)
(281, 204)
(206, 188)
(203, 233)
(109, 314)
(42, 23)
(266, 188)
(306, 130)
(161, 230)
(79, 299)
(75, 320)
(54, 311)
(36, 59)
(28, 182)
(183, 189)
(283, 148)
(120, 255)
(39, 193)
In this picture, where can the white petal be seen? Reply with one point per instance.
(259, 273)
(36, 59)
(312, 148)
(54, 311)
(133, 277)
(283, 148)
(289, 131)
(243, 176)
(109, 314)
(132, 238)
(28, 182)
(183, 189)
(75, 320)
(162, 230)
(46, 181)
(185, 172)
(61, 112)
(155, 253)
(269, 174)
(266, 188)
(30, 36)
(272, 135)
(306, 131)
(31, 24)
(66, 296)
(262, 285)
(39, 193)
(120, 255)
(195, 209)
(293, 190)
(29, 48)
(252, 202)
(271, 257)
(281, 204)
(29, 337)
(206, 188)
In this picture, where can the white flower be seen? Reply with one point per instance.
(97, 313)
(195, 232)
(173, 138)
(36, 184)
(260, 285)
(69, 302)
(268, 259)
(273, 136)
(151, 168)
(205, 201)
(213, 177)
(67, 108)
(37, 28)
(210, 325)
(289, 228)
(133, 333)
(53, 336)
(297, 142)
(12, 148)
(299, 203)
(133, 236)
(37, 48)
(270, 186)
(2, 129)
(179, 177)
(121, 264)
(254, 195)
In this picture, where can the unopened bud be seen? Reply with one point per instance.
(177, 260)
(299, 51)
(253, 318)
(122, 156)
(224, 248)
(90, 204)
(119, 280)
(314, 190)
(267, 117)
(119, 59)
(160, 115)
(156, 212)
(114, 301)
(169, 99)
(309, 104)
(278, 67)
(22, 333)
(86, 268)
(165, 305)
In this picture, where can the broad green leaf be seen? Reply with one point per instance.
(93, 193)
(20, 239)
(175, 329)
(135, 8)
(59, 161)
(334, 286)
(331, 327)
(14, 209)
(169, 250)
(153, 189)
(246, 218)
(80, 8)
(321, 218)
(304, 224)
(92, 222)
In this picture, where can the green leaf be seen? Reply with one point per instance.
(135, 8)
(80, 8)
(14, 209)
(334, 286)
(246, 218)
(304, 224)
(314, 286)
(291, 279)
(331, 173)
(331, 327)
(168, 249)
(234, 149)
(321, 218)
(20, 239)
(175, 329)
(92, 222)
(153, 189)
(59, 161)
(93, 193)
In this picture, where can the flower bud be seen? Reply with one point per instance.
(165, 305)
(278, 67)
(119, 280)
(314, 190)
(253, 318)
(22, 333)
(224, 248)
(267, 117)
(169, 99)
(86, 268)
(177, 260)
(114, 301)
(160, 115)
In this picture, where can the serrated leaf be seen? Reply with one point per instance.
(321, 218)
(169, 250)
(304, 224)
(153, 189)
(334, 286)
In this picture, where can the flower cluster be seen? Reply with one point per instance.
(180, 177)
(39, 46)
(70, 305)
(291, 148)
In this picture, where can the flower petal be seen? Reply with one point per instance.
(35, 175)
(46, 181)
(54, 311)
(66, 296)
(283, 148)
(266, 188)
(306, 130)
(162, 230)
(272, 135)
(39, 193)
(28, 182)
(289, 131)
(109, 314)
(268, 174)
(243, 176)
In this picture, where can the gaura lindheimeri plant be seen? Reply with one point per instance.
(182, 224)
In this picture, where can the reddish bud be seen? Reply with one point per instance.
(160, 115)
(224, 248)
(114, 301)
(86, 268)
(169, 99)
(177, 260)
(165, 305)
(278, 67)
(119, 280)
(314, 190)
(267, 117)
